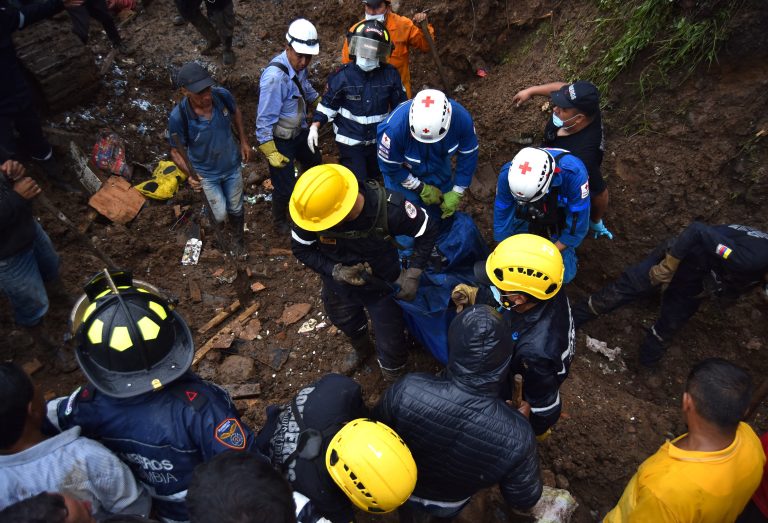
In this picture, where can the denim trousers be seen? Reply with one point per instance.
(225, 194)
(22, 278)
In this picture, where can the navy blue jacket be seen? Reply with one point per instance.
(357, 101)
(160, 435)
(462, 435)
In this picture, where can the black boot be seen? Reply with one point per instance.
(652, 349)
(279, 216)
(237, 225)
(228, 56)
(363, 348)
(582, 312)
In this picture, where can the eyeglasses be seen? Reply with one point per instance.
(310, 43)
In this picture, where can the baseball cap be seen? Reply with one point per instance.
(193, 77)
(374, 3)
(582, 95)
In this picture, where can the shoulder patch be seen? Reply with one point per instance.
(385, 141)
(410, 209)
(230, 434)
(723, 251)
(585, 190)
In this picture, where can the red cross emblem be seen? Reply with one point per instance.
(427, 101)
(425, 131)
(525, 168)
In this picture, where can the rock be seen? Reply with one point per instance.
(294, 313)
(236, 369)
(562, 482)
(754, 344)
(548, 478)
(258, 286)
(251, 330)
(244, 391)
(207, 370)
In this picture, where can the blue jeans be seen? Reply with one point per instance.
(22, 277)
(225, 194)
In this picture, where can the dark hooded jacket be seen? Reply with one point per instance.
(462, 436)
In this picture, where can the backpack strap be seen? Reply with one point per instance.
(295, 78)
(184, 108)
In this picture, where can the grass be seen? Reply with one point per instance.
(675, 43)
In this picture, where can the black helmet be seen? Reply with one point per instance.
(370, 39)
(132, 341)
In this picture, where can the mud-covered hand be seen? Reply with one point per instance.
(26, 187)
(274, 157)
(664, 271)
(409, 283)
(430, 194)
(13, 170)
(599, 229)
(463, 295)
(520, 97)
(351, 274)
(312, 138)
(450, 203)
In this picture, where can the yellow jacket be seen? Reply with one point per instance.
(404, 34)
(676, 485)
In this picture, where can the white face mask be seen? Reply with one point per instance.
(380, 17)
(366, 64)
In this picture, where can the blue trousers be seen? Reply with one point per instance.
(225, 194)
(284, 178)
(361, 160)
(22, 279)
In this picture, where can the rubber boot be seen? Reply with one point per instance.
(279, 216)
(652, 349)
(228, 56)
(55, 173)
(391, 375)
(362, 348)
(237, 225)
(204, 26)
(582, 312)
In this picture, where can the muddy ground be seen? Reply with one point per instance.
(673, 155)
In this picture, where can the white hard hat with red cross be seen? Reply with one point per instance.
(430, 116)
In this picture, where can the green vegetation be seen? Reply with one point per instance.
(671, 40)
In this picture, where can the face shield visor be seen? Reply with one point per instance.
(369, 49)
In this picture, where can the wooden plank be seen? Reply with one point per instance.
(220, 317)
(194, 292)
(248, 312)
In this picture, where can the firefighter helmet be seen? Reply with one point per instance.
(370, 40)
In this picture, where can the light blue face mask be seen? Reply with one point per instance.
(560, 123)
(366, 64)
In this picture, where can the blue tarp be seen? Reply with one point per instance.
(431, 312)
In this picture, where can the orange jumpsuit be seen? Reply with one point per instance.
(404, 34)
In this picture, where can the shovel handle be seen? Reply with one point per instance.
(517, 396)
(433, 49)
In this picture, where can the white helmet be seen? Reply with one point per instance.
(302, 37)
(430, 116)
(530, 173)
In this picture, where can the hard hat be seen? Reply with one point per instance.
(526, 263)
(372, 465)
(530, 174)
(302, 37)
(430, 116)
(129, 342)
(370, 39)
(322, 197)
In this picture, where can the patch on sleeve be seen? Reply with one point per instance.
(385, 141)
(230, 434)
(723, 251)
(410, 209)
(585, 190)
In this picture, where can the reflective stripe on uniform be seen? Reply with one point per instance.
(300, 239)
(365, 120)
(548, 407)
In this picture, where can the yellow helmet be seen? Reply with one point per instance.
(323, 196)
(372, 465)
(526, 263)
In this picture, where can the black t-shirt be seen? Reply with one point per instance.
(587, 145)
(326, 406)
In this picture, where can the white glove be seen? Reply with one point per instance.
(312, 138)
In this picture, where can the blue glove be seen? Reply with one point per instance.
(600, 229)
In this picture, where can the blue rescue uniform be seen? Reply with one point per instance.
(356, 102)
(160, 435)
(571, 217)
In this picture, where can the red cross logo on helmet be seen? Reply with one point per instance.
(427, 101)
(525, 168)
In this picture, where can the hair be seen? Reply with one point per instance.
(127, 518)
(720, 390)
(43, 508)
(16, 391)
(239, 487)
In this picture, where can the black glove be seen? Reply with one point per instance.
(351, 274)
(409, 284)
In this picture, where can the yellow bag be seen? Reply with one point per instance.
(166, 180)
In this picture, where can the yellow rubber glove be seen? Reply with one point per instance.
(463, 295)
(274, 157)
(663, 272)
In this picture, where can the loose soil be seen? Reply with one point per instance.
(672, 156)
